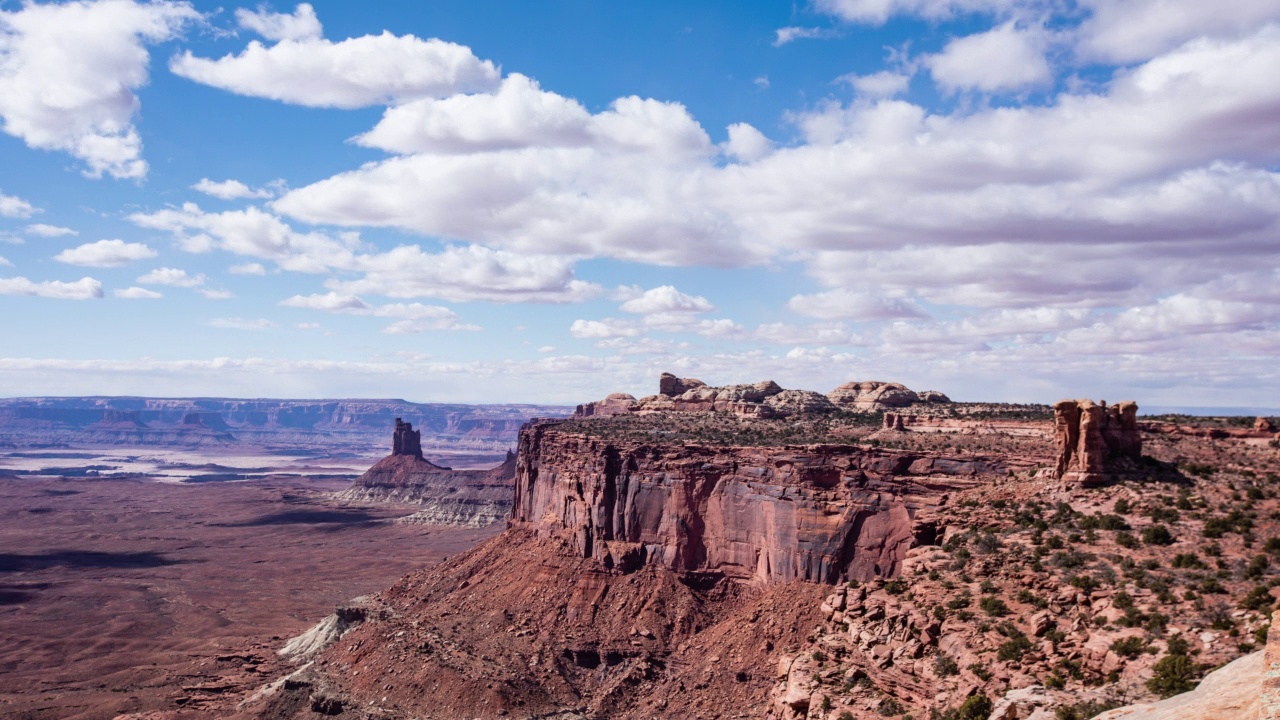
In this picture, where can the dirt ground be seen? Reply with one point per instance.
(129, 595)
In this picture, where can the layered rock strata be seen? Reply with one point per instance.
(460, 498)
(817, 513)
(1093, 440)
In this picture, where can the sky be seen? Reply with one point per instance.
(473, 201)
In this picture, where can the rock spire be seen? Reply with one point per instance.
(406, 440)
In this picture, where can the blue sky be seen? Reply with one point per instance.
(501, 202)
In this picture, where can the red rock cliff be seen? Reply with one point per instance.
(819, 513)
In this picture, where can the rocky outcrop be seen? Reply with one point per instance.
(894, 421)
(821, 513)
(1264, 426)
(405, 440)
(614, 404)
(877, 396)
(671, 386)
(1092, 441)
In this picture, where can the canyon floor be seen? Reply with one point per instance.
(136, 593)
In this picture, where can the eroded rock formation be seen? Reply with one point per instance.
(461, 498)
(671, 386)
(822, 513)
(875, 396)
(1092, 440)
(406, 440)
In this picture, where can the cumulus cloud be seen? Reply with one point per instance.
(49, 231)
(457, 273)
(846, 304)
(415, 317)
(83, 289)
(15, 207)
(520, 114)
(173, 277)
(216, 294)
(601, 329)
(301, 25)
(746, 143)
(137, 293)
(666, 299)
(1002, 59)
(302, 68)
(788, 34)
(68, 73)
(247, 269)
(883, 84)
(878, 11)
(236, 323)
(230, 189)
(814, 334)
(105, 254)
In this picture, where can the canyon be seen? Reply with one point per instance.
(753, 551)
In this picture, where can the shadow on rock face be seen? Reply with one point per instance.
(14, 562)
(311, 517)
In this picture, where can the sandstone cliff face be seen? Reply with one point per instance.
(821, 513)
(1092, 439)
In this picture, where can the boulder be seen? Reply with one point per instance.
(671, 386)
(614, 404)
(873, 395)
(1264, 425)
(799, 402)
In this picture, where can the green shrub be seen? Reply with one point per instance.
(1129, 647)
(1259, 599)
(1188, 561)
(993, 606)
(977, 707)
(960, 601)
(1013, 648)
(945, 665)
(1157, 535)
(1174, 674)
(890, 707)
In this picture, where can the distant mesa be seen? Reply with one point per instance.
(210, 420)
(765, 399)
(1094, 441)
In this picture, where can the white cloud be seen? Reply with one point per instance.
(747, 143)
(844, 304)
(83, 289)
(877, 11)
(883, 84)
(606, 328)
(216, 294)
(521, 114)
(49, 231)
(248, 269)
(302, 68)
(105, 254)
(137, 293)
(68, 72)
(301, 25)
(455, 273)
(815, 334)
(308, 326)
(235, 323)
(5, 262)
(172, 277)
(785, 35)
(416, 317)
(252, 232)
(229, 189)
(1002, 59)
(11, 206)
(666, 299)
(1133, 30)
(547, 349)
